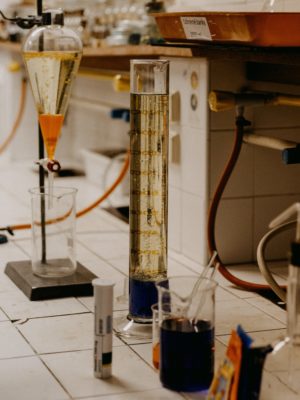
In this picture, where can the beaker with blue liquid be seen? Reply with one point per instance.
(186, 315)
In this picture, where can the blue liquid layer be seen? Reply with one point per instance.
(142, 294)
(186, 355)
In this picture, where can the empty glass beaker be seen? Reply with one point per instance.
(53, 232)
(186, 320)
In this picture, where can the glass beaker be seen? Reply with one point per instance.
(186, 320)
(149, 119)
(155, 336)
(53, 232)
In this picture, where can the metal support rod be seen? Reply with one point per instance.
(39, 7)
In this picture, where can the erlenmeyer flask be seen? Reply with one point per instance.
(186, 314)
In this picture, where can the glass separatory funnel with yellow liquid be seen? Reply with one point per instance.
(52, 54)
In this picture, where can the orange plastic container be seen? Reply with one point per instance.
(250, 28)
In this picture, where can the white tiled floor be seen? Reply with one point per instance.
(46, 347)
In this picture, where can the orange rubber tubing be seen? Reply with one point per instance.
(239, 131)
(18, 119)
(96, 203)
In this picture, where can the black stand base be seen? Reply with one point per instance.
(36, 288)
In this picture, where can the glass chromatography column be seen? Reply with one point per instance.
(149, 109)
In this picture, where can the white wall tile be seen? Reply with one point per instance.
(93, 90)
(181, 71)
(175, 218)
(175, 171)
(234, 230)
(196, 94)
(179, 81)
(275, 116)
(268, 165)
(194, 161)
(193, 231)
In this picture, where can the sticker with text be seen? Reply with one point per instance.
(196, 28)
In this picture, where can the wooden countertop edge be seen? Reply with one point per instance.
(119, 51)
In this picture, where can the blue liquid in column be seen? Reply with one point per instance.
(142, 295)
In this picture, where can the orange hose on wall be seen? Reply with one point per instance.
(240, 122)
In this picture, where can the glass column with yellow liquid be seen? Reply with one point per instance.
(149, 82)
(52, 55)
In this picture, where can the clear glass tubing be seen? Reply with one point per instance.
(148, 213)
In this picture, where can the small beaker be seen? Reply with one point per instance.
(187, 336)
(53, 231)
(155, 336)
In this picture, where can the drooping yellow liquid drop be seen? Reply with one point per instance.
(51, 126)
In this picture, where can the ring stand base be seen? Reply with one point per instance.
(36, 288)
(128, 328)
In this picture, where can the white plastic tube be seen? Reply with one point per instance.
(103, 294)
(261, 261)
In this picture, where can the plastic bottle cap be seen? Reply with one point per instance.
(103, 282)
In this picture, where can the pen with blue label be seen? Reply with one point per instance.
(103, 295)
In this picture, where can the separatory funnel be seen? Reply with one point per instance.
(52, 55)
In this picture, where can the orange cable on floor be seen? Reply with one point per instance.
(96, 203)
(18, 119)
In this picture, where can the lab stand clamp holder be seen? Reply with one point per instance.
(21, 272)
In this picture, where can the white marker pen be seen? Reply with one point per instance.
(103, 294)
